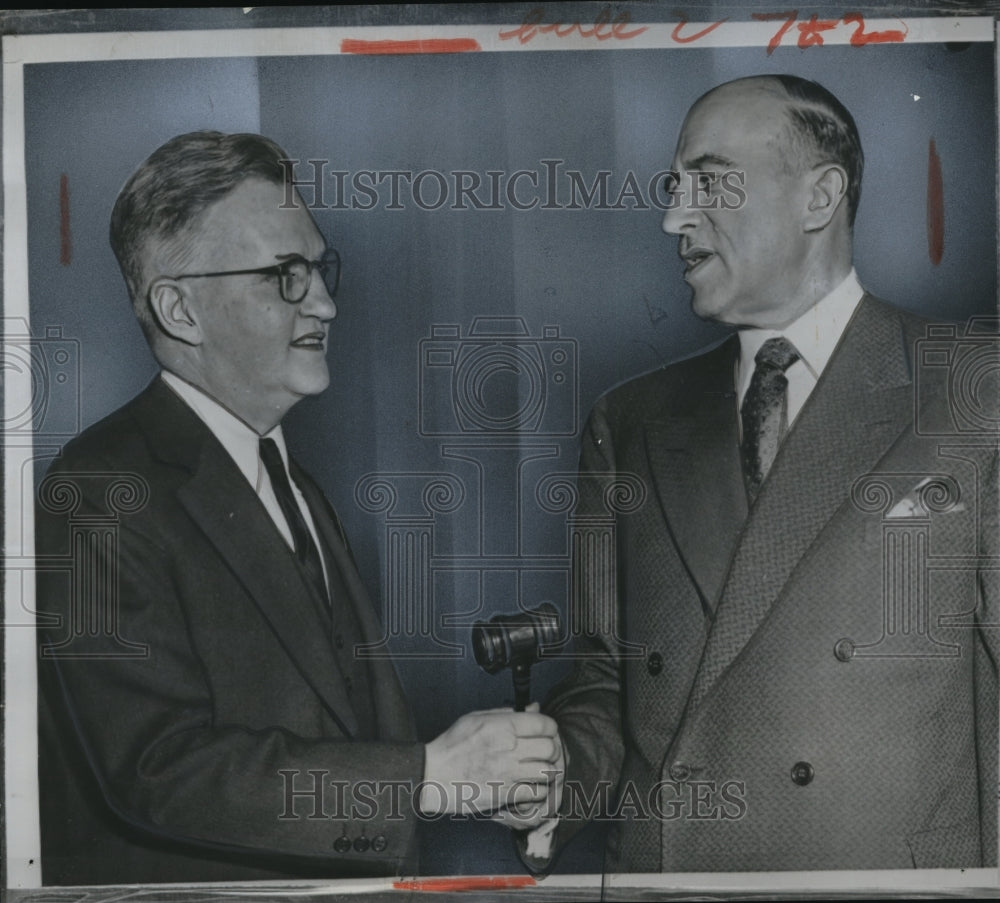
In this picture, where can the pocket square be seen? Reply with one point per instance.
(912, 504)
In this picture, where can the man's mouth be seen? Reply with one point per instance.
(695, 258)
(311, 341)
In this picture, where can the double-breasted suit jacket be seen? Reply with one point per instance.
(198, 716)
(809, 683)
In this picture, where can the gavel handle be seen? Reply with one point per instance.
(522, 686)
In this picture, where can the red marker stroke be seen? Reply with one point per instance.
(470, 883)
(424, 45)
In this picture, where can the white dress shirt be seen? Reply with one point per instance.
(814, 334)
(242, 444)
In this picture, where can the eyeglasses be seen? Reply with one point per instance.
(294, 275)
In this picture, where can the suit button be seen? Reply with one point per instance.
(379, 843)
(338, 641)
(654, 664)
(802, 773)
(679, 771)
(843, 650)
(349, 684)
(342, 844)
(361, 843)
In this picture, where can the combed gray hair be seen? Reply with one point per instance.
(173, 187)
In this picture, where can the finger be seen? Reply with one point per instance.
(493, 731)
(508, 770)
(538, 749)
(533, 707)
(564, 753)
(534, 724)
(534, 812)
(524, 793)
(526, 810)
(544, 778)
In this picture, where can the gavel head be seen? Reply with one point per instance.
(506, 641)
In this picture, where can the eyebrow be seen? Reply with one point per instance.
(708, 160)
(294, 255)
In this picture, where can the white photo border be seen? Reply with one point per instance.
(22, 843)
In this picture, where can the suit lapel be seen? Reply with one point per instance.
(232, 517)
(391, 707)
(693, 452)
(860, 406)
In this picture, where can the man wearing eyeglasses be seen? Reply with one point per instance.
(221, 722)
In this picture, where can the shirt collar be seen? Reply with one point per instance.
(237, 438)
(814, 334)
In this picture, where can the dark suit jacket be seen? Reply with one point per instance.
(193, 683)
(740, 729)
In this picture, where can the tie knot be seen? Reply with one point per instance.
(777, 353)
(270, 455)
(269, 449)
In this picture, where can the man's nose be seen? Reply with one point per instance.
(681, 215)
(318, 301)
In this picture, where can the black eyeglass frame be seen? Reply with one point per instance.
(330, 258)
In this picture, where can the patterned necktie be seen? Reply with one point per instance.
(305, 548)
(765, 411)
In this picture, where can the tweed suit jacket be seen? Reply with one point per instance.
(797, 685)
(208, 732)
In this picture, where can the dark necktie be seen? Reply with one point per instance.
(305, 549)
(765, 411)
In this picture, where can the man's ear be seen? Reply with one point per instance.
(172, 307)
(828, 185)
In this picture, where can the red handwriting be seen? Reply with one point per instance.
(810, 31)
(682, 39)
(604, 28)
(430, 45)
(789, 18)
(860, 37)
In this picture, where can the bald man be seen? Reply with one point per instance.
(768, 694)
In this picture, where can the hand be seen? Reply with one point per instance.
(492, 760)
(522, 816)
